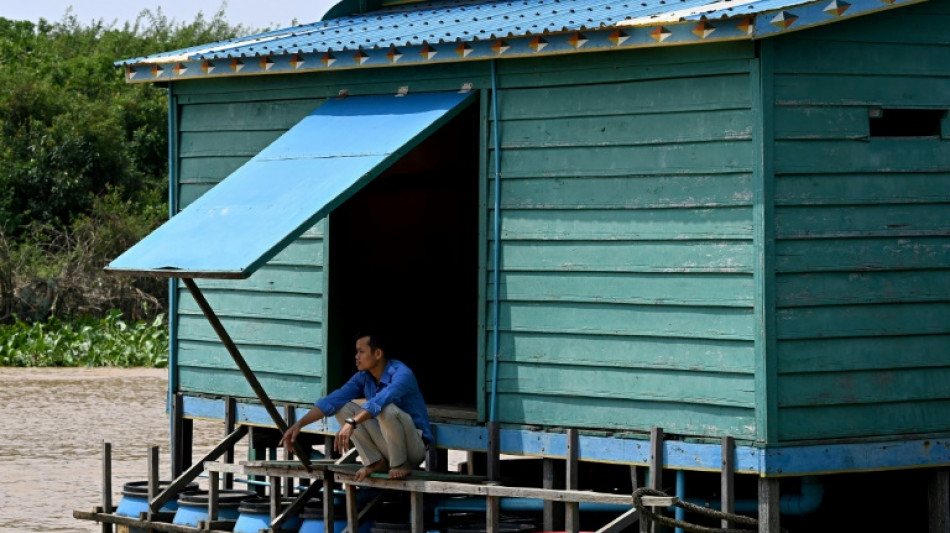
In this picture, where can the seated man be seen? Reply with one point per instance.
(391, 430)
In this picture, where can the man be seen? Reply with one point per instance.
(391, 429)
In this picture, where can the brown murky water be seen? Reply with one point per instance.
(52, 426)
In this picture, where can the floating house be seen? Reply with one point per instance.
(726, 219)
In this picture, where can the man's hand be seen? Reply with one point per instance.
(290, 436)
(342, 441)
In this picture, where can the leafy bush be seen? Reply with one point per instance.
(108, 341)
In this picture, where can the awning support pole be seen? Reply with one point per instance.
(242, 365)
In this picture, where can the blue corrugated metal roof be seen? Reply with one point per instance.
(234, 228)
(474, 20)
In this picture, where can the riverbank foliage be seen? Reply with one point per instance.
(83, 176)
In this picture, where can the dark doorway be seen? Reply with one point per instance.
(404, 259)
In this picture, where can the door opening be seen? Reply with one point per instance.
(404, 259)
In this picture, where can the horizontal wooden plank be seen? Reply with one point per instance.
(280, 388)
(901, 220)
(863, 320)
(821, 122)
(863, 387)
(623, 384)
(277, 115)
(657, 96)
(879, 155)
(837, 288)
(625, 225)
(867, 57)
(297, 280)
(880, 90)
(721, 290)
(673, 256)
(862, 255)
(258, 331)
(644, 320)
(863, 189)
(306, 307)
(842, 421)
(271, 359)
(610, 350)
(669, 62)
(601, 413)
(868, 353)
(627, 130)
(667, 159)
(225, 143)
(626, 192)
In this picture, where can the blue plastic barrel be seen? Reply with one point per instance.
(135, 498)
(193, 506)
(254, 515)
(312, 517)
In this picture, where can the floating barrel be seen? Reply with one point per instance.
(254, 515)
(135, 498)
(193, 506)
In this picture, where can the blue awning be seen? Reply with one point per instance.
(245, 220)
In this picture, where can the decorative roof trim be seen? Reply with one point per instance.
(645, 32)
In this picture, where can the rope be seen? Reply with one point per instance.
(646, 513)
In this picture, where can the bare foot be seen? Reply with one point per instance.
(399, 472)
(365, 472)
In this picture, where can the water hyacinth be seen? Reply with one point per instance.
(109, 341)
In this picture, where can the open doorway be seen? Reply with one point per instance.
(404, 259)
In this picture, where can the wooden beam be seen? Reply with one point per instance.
(769, 506)
(212, 496)
(242, 365)
(328, 518)
(938, 499)
(230, 422)
(153, 480)
(416, 512)
(106, 483)
(494, 452)
(275, 486)
(621, 523)
(656, 474)
(156, 502)
(727, 488)
(492, 514)
(572, 517)
(352, 510)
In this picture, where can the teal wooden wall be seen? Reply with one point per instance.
(863, 229)
(277, 316)
(626, 296)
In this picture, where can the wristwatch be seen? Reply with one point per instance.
(351, 421)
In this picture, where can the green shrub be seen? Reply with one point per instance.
(108, 341)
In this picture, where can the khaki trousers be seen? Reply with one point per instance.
(391, 436)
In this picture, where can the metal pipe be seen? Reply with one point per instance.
(172, 282)
(496, 239)
(806, 501)
(680, 513)
(477, 504)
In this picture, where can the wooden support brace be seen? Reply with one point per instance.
(938, 496)
(156, 502)
(621, 523)
(727, 479)
(352, 511)
(656, 473)
(106, 483)
(572, 517)
(212, 495)
(769, 505)
(328, 517)
(153, 480)
(492, 510)
(553, 513)
(416, 513)
(295, 507)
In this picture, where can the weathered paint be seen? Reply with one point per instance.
(862, 222)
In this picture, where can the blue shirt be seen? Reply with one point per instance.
(397, 385)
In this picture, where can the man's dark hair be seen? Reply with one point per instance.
(375, 339)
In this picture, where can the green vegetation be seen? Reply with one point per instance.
(107, 341)
(83, 159)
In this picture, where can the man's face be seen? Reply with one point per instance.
(366, 358)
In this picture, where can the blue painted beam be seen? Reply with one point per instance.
(678, 455)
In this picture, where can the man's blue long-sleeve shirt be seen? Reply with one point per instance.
(397, 385)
